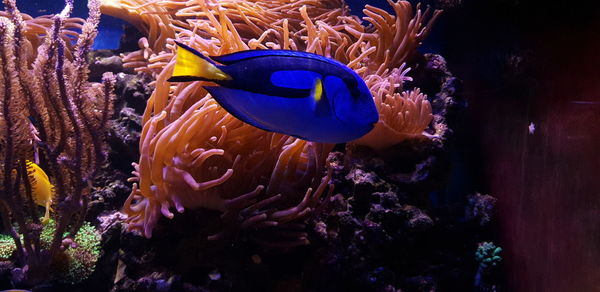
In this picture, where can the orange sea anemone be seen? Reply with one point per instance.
(195, 154)
(403, 115)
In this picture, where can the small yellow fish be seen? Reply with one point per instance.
(41, 188)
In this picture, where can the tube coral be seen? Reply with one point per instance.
(194, 154)
(51, 115)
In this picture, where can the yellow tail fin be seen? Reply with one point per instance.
(191, 65)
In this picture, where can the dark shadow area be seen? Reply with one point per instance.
(527, 63)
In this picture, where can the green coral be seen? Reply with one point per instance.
(47, 233)
(7, 247)
(75, 263)
(488, 254)
(83, 258)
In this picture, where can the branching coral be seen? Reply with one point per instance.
(194, 154)
(53, 116)
(35, 29)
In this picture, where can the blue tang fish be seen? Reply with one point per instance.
(299, 94)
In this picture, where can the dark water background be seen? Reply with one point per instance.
(520, 62)
(525, 62)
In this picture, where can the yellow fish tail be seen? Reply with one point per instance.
(191, 65)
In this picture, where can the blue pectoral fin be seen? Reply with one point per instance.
(227, 97)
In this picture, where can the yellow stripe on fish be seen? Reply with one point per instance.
(318, 90)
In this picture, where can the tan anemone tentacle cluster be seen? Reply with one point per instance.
(403, 115)
(396, 36)
(195, 154)
(198, 155)
(149, 18)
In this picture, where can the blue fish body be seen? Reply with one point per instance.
(295, 93)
